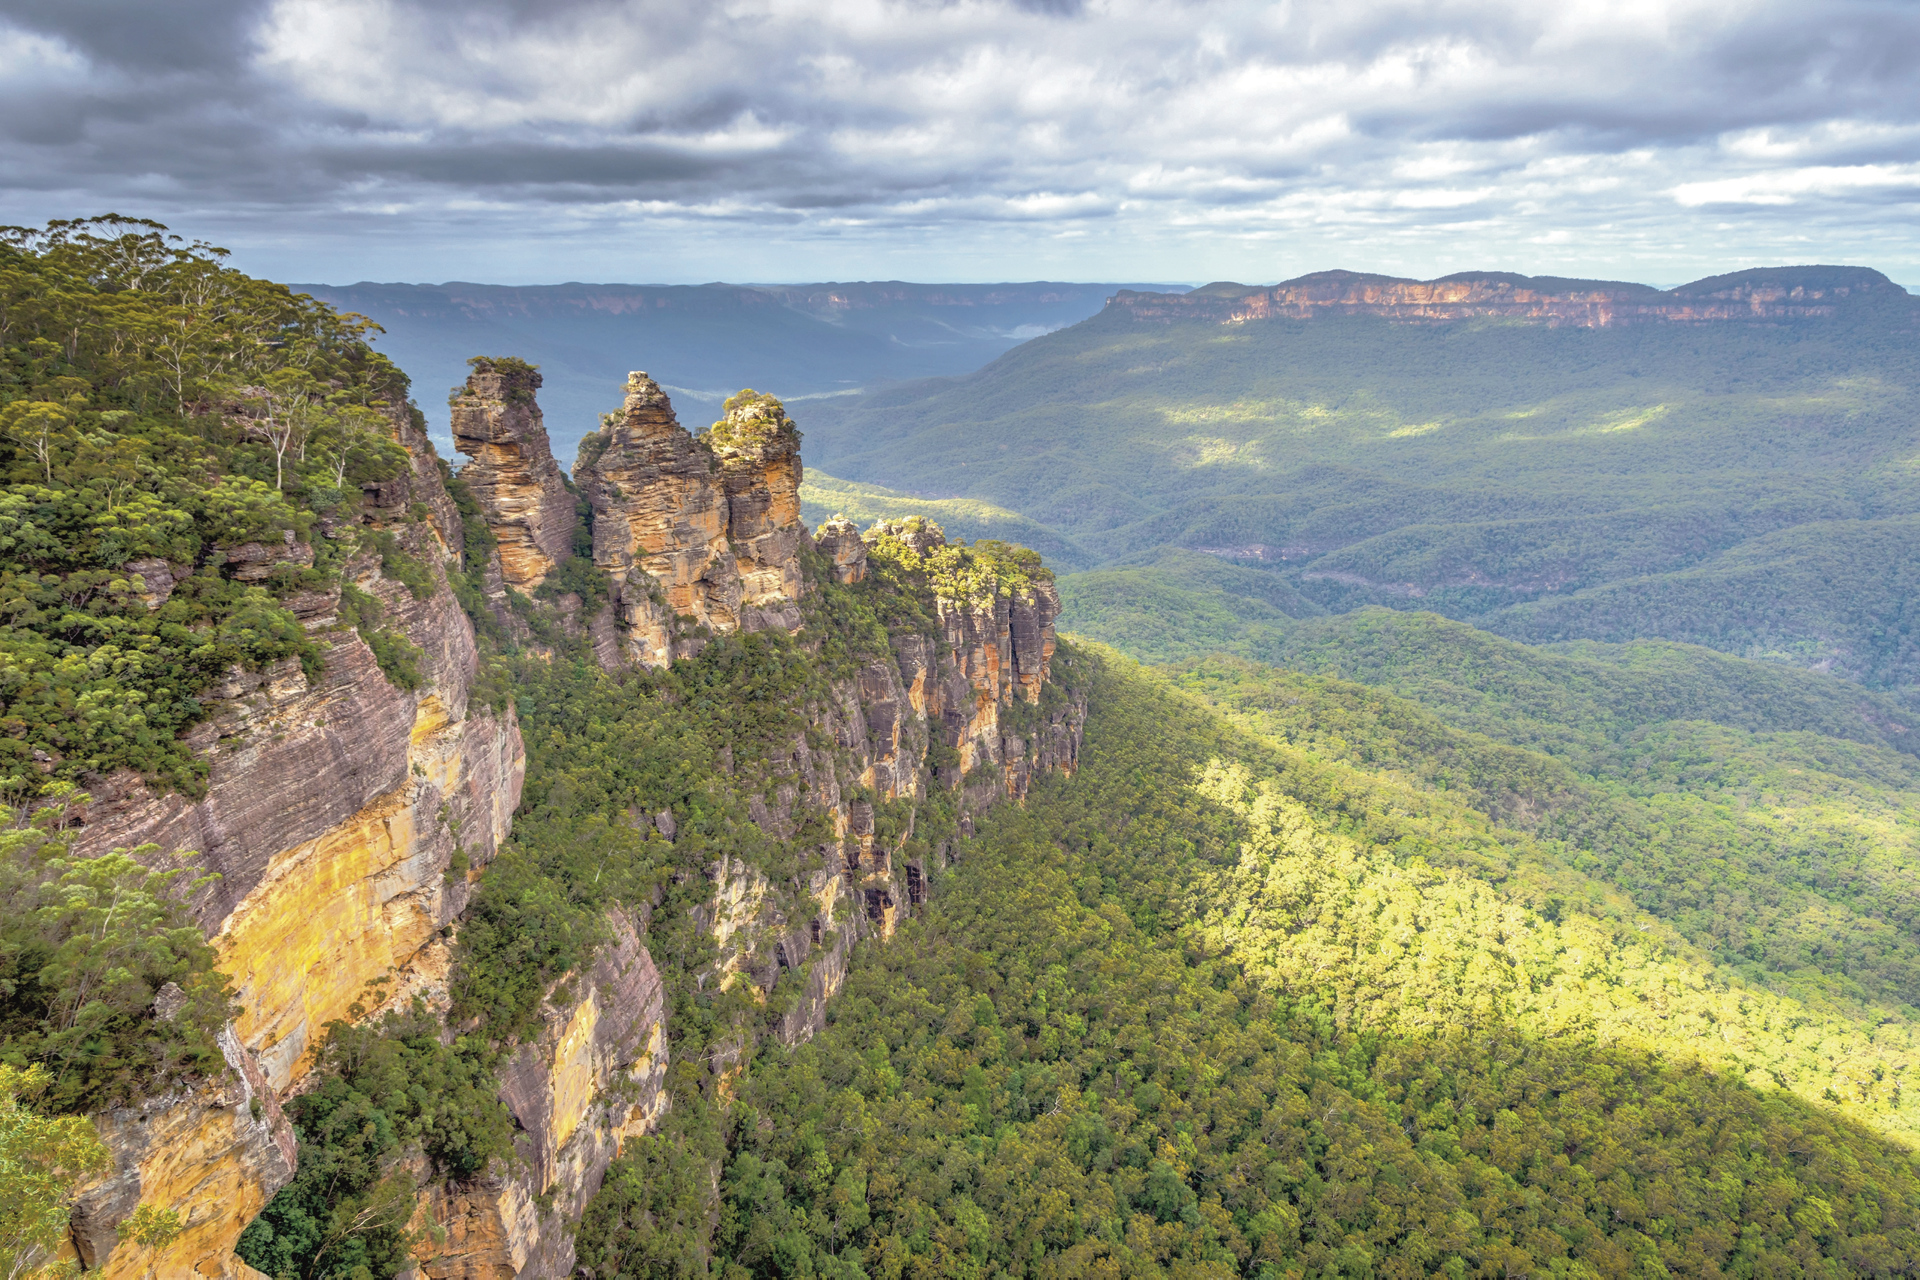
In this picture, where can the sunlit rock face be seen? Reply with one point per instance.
(332, 814)
(698, 537)
(520, 489)
(219, 1151)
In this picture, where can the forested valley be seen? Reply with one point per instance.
(867, 940)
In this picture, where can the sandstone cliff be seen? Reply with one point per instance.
(332, 812)
(1771, 295)
(339, 810)
(758, 449)
(520, 489)
(588, 1080)
(680, 561)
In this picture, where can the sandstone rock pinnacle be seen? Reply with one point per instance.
(513, 476)
(694, 537)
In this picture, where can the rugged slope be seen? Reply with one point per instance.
(1265, 988)
(326, 905)
(835, 824)
(1548, 458)
(333, 813)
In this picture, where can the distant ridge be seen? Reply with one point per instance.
(1764, 294)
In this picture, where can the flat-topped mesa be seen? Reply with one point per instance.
(759, 451)
(664, 523)
(1771, 294)
(513, 476)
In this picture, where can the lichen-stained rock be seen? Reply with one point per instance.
(698, 536)
(759, 452)
(660, 526)
(215, 1154)
(838, 539)
(520, 489)
(591, 1078)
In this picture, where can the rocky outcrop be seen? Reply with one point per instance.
(838, 539)
(759, 452)
(663, 525)
(997, 648)
(902, 755)
(520, 489)
(1769, 294)
(215, 1153)
(592, 1077)
(333, 812)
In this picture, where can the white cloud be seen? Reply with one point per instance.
(1787, 185)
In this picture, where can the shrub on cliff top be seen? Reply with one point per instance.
(753, 419)
(971, 574)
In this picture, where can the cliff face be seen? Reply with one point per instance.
(665, 527)
(336, 808)
(758, 448)
(591, 1078)
(1781, 294)
(497, 422)
(965, 713)
(332, 813)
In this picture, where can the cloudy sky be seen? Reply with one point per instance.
(687, 140)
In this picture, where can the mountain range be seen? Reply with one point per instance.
(1728, 463)
(704, 342)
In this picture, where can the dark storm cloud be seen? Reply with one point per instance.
(1175, 120)
(177, 36)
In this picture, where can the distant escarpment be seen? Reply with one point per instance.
(1774, 294)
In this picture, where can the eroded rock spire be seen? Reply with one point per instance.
(520, 488)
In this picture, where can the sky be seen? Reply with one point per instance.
(680, 141)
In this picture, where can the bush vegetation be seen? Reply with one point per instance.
(1158, 1022)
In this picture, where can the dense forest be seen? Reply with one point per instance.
(1360, 942)
(1229, 1003)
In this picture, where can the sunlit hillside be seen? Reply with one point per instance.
(1748, 486)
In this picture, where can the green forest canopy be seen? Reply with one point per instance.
(1157, 1023)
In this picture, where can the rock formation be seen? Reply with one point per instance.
(1770, 294)
(520, 489)
(759, 451)
(838, 539)
(664, 523)
(336, 810)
